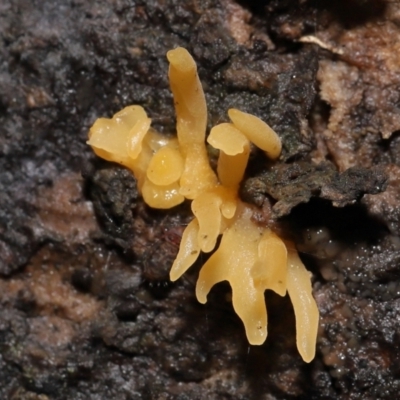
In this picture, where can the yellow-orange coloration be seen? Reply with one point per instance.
(250, 257)
(258, 132)
(166, 165)
(191, 121)
(233, 156)
(305, 308)
(234, 261)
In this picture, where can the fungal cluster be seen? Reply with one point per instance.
(251, 257)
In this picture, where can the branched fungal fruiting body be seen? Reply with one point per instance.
(250, 257)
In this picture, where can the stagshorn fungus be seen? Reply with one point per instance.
(252, 258)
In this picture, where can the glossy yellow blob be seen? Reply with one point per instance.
(305, 307)
(191, 115)
(162, 197)
(258, 132)
(210, 208)
(166, 166)
(234, 153)
(112, 138)
(228, 138)
(189, 251)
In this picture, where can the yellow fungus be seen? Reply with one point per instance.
(233, 261)
(270, 269)
(135, 137)
(234, 153)
(206, 208)
(166, 166)
(257, 131)
(210, 208)
(131, 122)
(140, 165)
(191, 112)
(305, 308)
(229, 201)
(227, 138)
(189, 250)
(166, 196)
(250, 257)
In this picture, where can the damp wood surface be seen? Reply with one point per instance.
(87, 308)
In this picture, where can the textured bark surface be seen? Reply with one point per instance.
(87, 310)
(296, 183)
